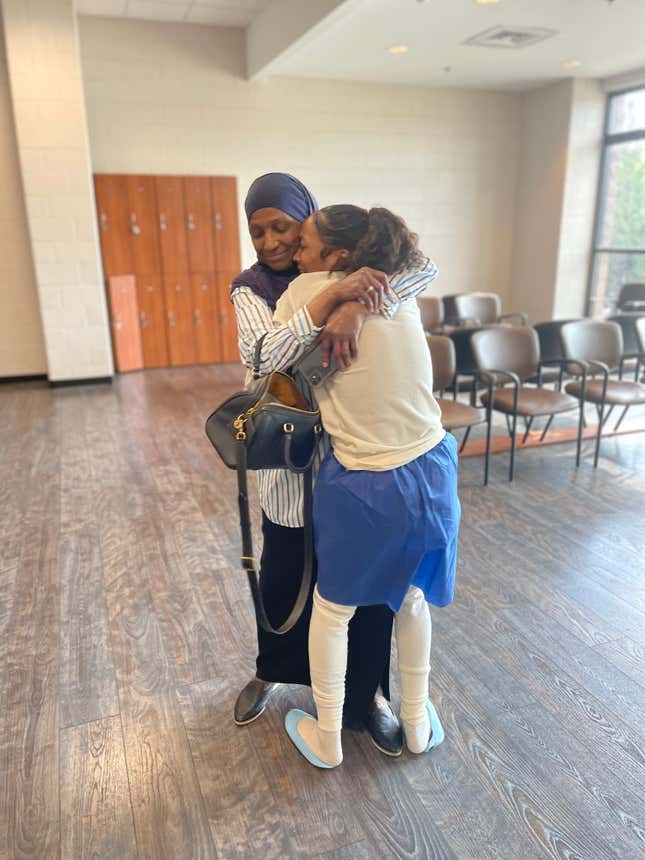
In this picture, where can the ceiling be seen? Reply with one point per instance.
(607, 38)
(222, 13)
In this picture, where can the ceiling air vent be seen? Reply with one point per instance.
(510, 37)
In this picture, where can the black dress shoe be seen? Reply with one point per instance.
(384, 728)
(252, 701)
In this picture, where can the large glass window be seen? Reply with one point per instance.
(619, 254)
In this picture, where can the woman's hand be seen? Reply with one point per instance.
(340, 336)
(365, 285)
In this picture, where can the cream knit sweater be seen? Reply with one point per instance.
(380, 413)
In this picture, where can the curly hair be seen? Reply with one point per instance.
(377, 238)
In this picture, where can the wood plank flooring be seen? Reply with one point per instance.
(126, 632)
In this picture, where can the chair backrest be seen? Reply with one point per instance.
(449, 310)
(631, 297)
(507, 348)
(550, 340)
(593, 340)
(485, 307)
(442, 352)
(431, 308)
(627, 323)
(640, 333)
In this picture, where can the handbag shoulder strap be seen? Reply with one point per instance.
(248, 560)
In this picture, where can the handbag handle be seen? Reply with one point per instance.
(257, 356)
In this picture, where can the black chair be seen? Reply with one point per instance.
(465, 364)
(631, 346)
(551, 350)
(631, 298)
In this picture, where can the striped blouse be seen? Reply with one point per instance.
(281, 495)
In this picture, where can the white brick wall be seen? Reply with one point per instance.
(49, 112)
(166, 98)
(22, 347)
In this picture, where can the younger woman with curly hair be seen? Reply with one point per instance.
(386, 511)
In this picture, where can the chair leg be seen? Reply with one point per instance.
(580, 426)
(546, 428)
(527, 425)
(606, 418)
(620, 420)
(464, 440)
(513, 429)
(489, 421)
(601, 410)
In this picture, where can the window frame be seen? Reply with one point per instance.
(608, 140)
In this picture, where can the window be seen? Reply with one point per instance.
(619, 253)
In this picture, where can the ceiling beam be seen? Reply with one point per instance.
(285, 26)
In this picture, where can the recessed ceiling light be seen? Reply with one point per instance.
(485, 2)
(398, 49)
(570, 64)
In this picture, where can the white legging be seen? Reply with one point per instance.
(328, 657)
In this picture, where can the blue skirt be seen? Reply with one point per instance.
(378, 533)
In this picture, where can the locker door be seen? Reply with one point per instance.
(152, 317)
(143, 224)
(124, 313)
(179, 316)
(227, 234)
(199, 223)
(227, 324)
(172, 224)
(206, 319)
(112, 208)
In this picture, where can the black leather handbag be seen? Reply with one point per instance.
(268, 425)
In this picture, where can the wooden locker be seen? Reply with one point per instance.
(200, 227)
(143, 223)
(180, 320)
(227, 233)
(172, 224)
(226, 312)
(152, 317)
(124, 314)
(206, 318)
(112, 207)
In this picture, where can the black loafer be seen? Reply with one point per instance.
(252, 701)
(384, 728)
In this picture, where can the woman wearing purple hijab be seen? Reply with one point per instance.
(276, 206)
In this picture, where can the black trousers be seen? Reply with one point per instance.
(286, 658)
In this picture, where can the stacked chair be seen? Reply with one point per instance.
(585, 359)
(455, 415)
(431, 308)
(598, 344)
(510, 356)
(484, 309)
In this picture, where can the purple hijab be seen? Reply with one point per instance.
(274, 191)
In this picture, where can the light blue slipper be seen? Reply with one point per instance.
(291, 721)
(438, 734)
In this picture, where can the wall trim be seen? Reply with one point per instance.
(95, 380)
(29, 377)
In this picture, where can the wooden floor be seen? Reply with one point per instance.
(126, 632)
